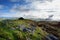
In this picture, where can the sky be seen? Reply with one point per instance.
(30, 8)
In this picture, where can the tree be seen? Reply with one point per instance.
(21, 18)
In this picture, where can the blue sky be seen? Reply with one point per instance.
(36, 8)
(5, 5)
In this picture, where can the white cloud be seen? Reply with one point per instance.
(42, 1)
(48, 6)
(38, 9)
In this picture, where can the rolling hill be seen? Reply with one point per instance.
(21, 30)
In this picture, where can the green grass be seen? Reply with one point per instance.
(7, 34)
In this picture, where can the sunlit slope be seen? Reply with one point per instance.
(21, 30)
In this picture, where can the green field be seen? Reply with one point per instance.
(20, 30)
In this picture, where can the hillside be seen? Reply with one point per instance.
(25, 29)
(51, 27)
(21, 30)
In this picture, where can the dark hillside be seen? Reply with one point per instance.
(51, 27)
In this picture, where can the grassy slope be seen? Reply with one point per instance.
(6, 33)
(52, 27)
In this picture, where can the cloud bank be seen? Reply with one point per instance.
(37, 8)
